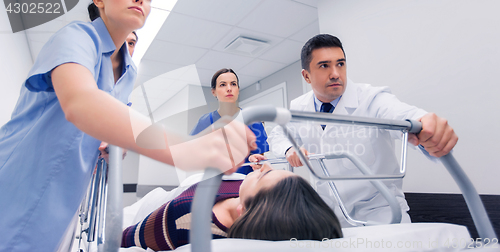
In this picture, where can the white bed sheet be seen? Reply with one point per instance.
(394, 237)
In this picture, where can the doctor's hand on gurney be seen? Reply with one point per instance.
(293, 158)
(437, 137)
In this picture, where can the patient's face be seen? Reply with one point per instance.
(262, 178)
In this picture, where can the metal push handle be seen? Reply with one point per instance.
(114, 207)
(474, 203)
(412, 126)
(469, 192)
(200, 234)
(88, 208)
(95, 199)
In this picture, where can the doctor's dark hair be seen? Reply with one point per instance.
(316, 42)
(213, 84)
(290, 209)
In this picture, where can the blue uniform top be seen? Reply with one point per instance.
(45, 161)
(257, 128)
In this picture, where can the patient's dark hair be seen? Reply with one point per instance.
(316, 42)
(290, 209)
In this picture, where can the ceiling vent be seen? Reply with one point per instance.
(246, 46)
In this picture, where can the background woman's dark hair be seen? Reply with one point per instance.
(136, 37)
(290, 209)
(213, 84)
(93, 11)
(316, 42)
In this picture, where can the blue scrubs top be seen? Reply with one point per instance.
(257, 128)
(45, 161)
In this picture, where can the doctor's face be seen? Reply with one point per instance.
(327, 73)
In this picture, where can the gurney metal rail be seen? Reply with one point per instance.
(381, 187)
(101, 214)
(200, 234)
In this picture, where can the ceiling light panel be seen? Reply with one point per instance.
(246, 46)
(240, 32)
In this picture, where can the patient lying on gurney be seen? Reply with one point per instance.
(267, 205)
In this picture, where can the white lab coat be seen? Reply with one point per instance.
(374, 147)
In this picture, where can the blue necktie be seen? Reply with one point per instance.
(326, 108)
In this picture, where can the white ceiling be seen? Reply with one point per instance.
(196, 32)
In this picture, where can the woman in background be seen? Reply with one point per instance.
(226, 89)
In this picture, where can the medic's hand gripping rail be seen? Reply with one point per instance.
(200, 234)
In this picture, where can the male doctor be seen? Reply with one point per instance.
(324, 68)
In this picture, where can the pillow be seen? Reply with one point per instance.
(391, 237)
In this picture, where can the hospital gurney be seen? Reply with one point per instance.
(393, 203)
(201, 209)
(200, 232)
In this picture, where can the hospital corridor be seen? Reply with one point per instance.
(249, 125)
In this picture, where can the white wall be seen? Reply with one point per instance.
(442, 56)
(173, 114)
(290, 74)
(194, 114)
(152, 172)
(15, 64)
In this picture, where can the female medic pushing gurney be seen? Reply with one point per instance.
(72, 99)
